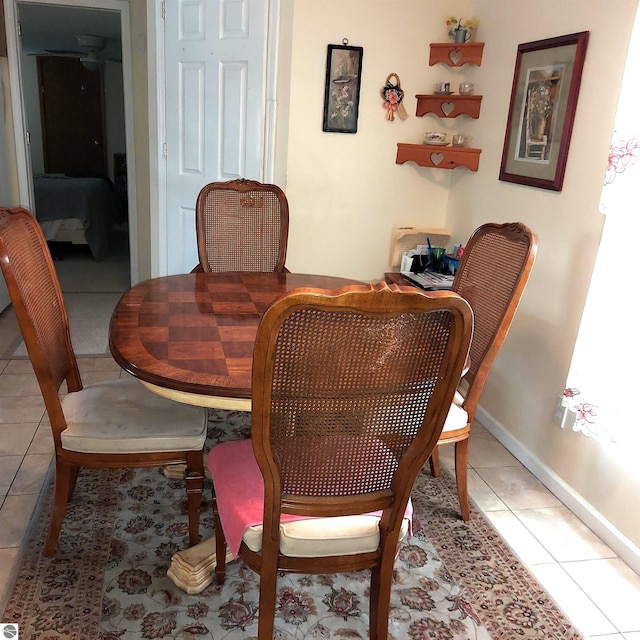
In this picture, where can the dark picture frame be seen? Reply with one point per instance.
(544, 96)
(342, 88)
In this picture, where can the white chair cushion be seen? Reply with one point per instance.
(122, 416)
(457, 418)
(320, 537)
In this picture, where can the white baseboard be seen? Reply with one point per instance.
(593, 519)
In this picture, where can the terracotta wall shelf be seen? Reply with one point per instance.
(438, 157)
(444, 157)
(456, 54)
(449, 106)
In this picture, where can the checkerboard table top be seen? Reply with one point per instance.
(194, 333)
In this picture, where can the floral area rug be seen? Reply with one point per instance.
(107, 581)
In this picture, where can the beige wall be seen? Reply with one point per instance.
(522, 390)
(346, 194)
(10, 179)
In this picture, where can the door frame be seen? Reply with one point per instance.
(157, 121)
(23, 157)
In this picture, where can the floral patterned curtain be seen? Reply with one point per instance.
(601, 382)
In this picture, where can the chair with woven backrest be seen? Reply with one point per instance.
(350, 390)
(492, 276)
(114, 424)
(242, 225)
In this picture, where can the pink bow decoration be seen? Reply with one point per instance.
(393, 95)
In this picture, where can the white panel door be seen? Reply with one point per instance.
(214, 107)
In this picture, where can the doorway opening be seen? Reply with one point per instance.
(73, 171)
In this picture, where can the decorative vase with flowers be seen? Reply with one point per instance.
(460, 28)
(539, 108)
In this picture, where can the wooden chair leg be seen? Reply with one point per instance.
(194, 478)
(268, 586)
(462, 460)
(434, 463)
(374, 603)
(64, 475)
(380, 594)
(72, 482)
(221, 544)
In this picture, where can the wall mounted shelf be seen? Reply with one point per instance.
(453, 54)
(426, 155)
(449, 106)
(456, 54)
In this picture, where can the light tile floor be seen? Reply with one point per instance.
(597, 590)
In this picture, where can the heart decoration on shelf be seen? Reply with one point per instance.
(447, 107)
(455, 56)
(437, 158)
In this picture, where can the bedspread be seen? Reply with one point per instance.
(92, 200)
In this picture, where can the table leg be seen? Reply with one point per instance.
(192, 569)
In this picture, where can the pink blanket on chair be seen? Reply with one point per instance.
(239, 490)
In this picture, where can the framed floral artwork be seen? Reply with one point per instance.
(342, 88)
(544, 96)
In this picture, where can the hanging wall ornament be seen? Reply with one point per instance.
(393, 95)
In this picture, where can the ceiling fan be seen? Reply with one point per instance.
(90, 52)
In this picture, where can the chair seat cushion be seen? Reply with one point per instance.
(321, 537)
(457, 418)
(241, 504)
(122, 416)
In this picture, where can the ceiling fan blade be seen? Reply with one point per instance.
(62, 53)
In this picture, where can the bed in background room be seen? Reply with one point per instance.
(74, 209)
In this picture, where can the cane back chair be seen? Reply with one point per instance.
(113, 424)
(493, 273)
(350, 391)
(242, 225)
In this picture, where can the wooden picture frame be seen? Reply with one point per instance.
(544, 96)
(342, 88)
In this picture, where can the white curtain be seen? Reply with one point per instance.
(601, 387)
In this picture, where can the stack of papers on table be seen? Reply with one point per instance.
(429, 279)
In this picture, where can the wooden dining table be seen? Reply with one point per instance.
(190, 337)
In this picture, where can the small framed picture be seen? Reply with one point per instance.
(342, 88)
(544, 96)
